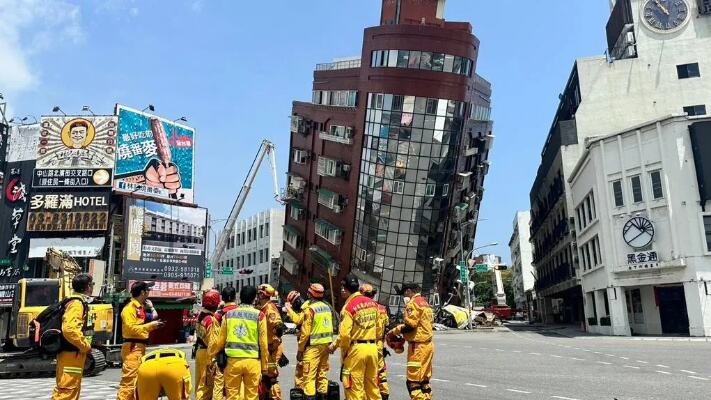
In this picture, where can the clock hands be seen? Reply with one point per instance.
(664, 9)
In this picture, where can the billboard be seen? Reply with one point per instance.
(77, 142)
(72, 211)
(164, 242)
(72, 178)
(169, 290)
(155, 156)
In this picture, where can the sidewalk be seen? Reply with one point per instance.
(574, 332)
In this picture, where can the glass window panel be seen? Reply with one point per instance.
(398, 102)
(414, 61)
(656, 178)
(457, 69)
(418, 121)
(431, 106)
(439, 124)
(387, 102)
(392, 58)
(617, 192)
(416, 135)
(437, 61)
(428, 134)
(402, 252)
(430, 121)
(409, 104)
(390, 249)
(426, 60)
(402, 58)
(420, 105)
(636, 183)
(448, 63)
(374, 58)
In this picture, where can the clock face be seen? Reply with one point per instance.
(665, 15)
(638, 232)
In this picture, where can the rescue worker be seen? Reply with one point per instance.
(295, 307)
(229, 295)
(417, 331)
(270, 321)
(76, 341)
(245, 345)
(383, 319)
(206, 323)
(135, 337)
(315, 337)
(163, 371)
(357, 338)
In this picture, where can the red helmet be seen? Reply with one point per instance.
(316, 290)
(396, 342)
(293, 295)
(211, 299)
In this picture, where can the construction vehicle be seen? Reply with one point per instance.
(32, 296)
(266, 147)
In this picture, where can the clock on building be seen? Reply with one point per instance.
(665, 15)
(638, 232)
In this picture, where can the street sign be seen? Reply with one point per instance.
(463, 272)
(227, 270)
(208, 270)
(481, 268)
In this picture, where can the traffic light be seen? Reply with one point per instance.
(501, 267)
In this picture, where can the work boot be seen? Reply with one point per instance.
(321, 396)
(384, 396)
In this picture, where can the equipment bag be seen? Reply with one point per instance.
(334, 391)
(46, 329)
(296, 394)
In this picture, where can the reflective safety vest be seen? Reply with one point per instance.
(322, 328)
(242, 332)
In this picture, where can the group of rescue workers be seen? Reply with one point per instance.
(239, 350)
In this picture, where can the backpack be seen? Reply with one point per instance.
(46, 329)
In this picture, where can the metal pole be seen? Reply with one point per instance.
(463, 264)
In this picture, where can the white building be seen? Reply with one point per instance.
(657, 64)
(644, 228)
(252, 252)
(521, 257)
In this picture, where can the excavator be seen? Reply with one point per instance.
(32, 296)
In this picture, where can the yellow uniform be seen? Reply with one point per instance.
(135, 338)
(417, 331)
(270, 322)
(298, 318)
(76, 331)
(383, 321)
(164, 371)
(316, 335)
(357, 338)
(203, 379)
(218, 387)
(246, 346)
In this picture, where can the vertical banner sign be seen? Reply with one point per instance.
(164, 242)
(155, 156)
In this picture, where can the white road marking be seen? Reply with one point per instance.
(483, 348)
(662, 366)
(517, 351)
(518, 391)
(535, 354)
(467, 347)
(439, 380)
(687, 371)
(577, 359)
(631, 366)
(499, 350)
(597, 352)
(664, 372)
(563, 398)
(604, 362)
(625, 358)
(642, 362)
(610, 355)
(698, 377)
(553, 355)
(475, 385)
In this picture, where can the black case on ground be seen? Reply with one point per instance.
(334, 391)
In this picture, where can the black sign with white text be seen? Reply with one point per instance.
(74, 211)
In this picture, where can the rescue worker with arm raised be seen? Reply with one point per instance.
(246, 347)
(136, 330)
(77, 331)
(417, 331)
(383, 319)
(357, 339)
(206, 325)
(295, 307)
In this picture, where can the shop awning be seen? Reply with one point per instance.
(75, 247)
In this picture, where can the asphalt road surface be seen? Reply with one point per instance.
(521, 364)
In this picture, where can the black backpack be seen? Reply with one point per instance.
(46, 329)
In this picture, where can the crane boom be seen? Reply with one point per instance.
(266, 147)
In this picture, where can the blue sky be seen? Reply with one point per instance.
(234, 67)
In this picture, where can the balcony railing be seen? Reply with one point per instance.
(334, 138)
(336, 65)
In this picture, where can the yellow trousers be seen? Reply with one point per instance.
(239, 372)
(70, 368)
(169, 375)
(218, 385)
(382, 374)
(419, 370)
(360, 372)
(272, 360)
(131, 354)
(315, 370)
(204, 380)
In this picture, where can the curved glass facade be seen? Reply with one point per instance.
(427, 60)
(409, 158)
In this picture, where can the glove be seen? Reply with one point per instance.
(386, 353)
(300, 356)
(283, 361)
(279, 330)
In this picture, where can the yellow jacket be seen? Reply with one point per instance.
(73, 325)
(359, 322)
(221, 339)
(418, 317)
(133, 321)
(383, 321)
(298, 317)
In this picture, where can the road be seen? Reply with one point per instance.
(526, 365)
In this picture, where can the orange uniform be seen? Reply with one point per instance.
(135, 338)
(77, 343)
(383, 320)
(270, 320)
